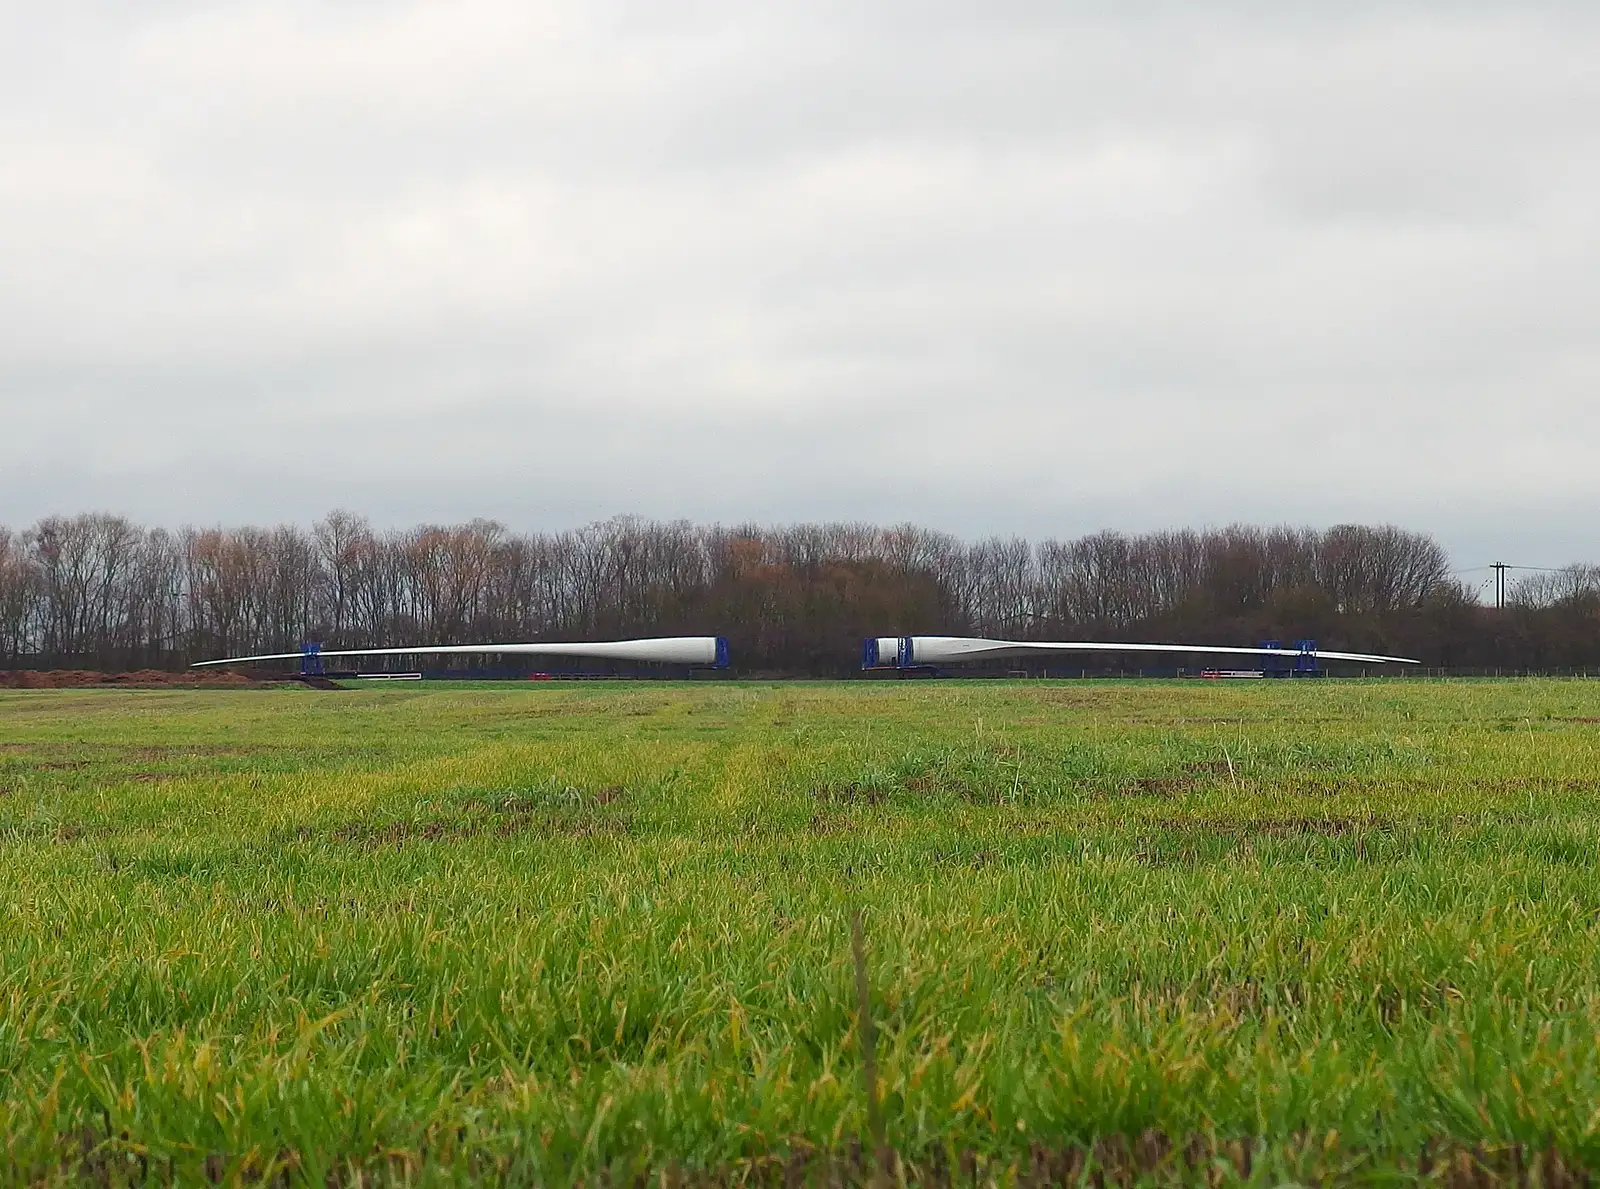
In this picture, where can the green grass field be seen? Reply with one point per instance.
(1187, 931)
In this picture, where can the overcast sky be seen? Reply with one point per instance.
(1008, 266)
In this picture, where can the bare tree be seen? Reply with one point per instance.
(340, 537)
(83, 562)
(21, 598)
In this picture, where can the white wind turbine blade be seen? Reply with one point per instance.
(936, 650)
(672, 650)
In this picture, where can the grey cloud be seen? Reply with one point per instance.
(1018, 266)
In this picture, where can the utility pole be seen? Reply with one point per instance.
(1499, 569)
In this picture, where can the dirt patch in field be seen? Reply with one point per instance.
(399, 833)
(62, 833)
(140, 678)
(1193, 841)
(823, 824)
(1119, 1161)
(539, 801)
(1088, 698)
(1540, 784)
(933, 783)
(162, 751)
(1190, 778)
(1283, 827)
(132, 751)
(849, 792)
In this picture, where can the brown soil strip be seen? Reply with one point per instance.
(140, 678)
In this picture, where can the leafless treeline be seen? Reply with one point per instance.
(97, 590)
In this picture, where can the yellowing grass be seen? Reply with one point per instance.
(439, 934)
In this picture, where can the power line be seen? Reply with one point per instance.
(1500, 569)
